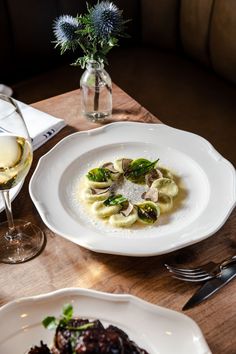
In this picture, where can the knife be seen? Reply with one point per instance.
(211, 287)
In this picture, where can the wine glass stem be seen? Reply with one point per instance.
(11, 227)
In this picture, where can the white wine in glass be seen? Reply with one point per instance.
(19, 240)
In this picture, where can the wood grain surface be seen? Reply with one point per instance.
(63, 264)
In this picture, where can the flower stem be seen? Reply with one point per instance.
(96, 95)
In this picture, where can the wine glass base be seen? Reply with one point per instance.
(27, 242)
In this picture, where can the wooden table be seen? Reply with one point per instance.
(63, 264)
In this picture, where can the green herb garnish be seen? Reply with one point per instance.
(147, 212)
(115, 200)
(52, 323)
(67, 312)
(80, 328)
(138, 169)
(99, 175)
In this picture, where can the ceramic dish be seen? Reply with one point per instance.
(206, 181)
(161, 331)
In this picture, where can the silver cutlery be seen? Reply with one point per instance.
(211, 286)
(204, 272)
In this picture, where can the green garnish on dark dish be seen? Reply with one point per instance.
(138, 169)
(99, 175)
(147, 212)
(76, 335)
(115, 200)
(52, 322)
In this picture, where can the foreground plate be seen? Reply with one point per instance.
(156, 329)
(206, 180)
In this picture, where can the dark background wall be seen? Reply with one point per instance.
(179, 62)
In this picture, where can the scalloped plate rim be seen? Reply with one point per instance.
(213, 229)
(147, 307)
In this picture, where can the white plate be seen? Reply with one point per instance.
(208, 192)
(13, 193)
(154, 328)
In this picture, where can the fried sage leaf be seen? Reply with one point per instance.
(138, 169)
(148, 212)
(115, 200)
(99, 175)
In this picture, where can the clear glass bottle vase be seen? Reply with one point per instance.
(96, 92)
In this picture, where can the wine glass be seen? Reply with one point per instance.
(19, 240)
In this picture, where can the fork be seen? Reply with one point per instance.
(202, 273)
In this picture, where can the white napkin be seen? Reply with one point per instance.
(41, 126)
(6, 90)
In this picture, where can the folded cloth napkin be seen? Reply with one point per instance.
(41, 126)
(6, 90)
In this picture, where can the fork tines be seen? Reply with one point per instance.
(192, 275)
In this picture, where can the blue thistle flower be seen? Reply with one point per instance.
(95, 32)
(64, 29)
(106, 20)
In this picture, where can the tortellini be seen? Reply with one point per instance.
(103, 211)
(165, 202)
(118, 165)
(89, 195)
(120, 220)
(93, 184)
(121, 165)
(100, 192)
(99, 178)
(166, 186)
(165, 172)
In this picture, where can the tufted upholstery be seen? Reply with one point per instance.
(160, 23)
(195, 18)
(204, 29)
(222, 39)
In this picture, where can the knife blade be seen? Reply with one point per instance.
(211, 287)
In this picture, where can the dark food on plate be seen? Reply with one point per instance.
(75, 335)
(43, 349)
